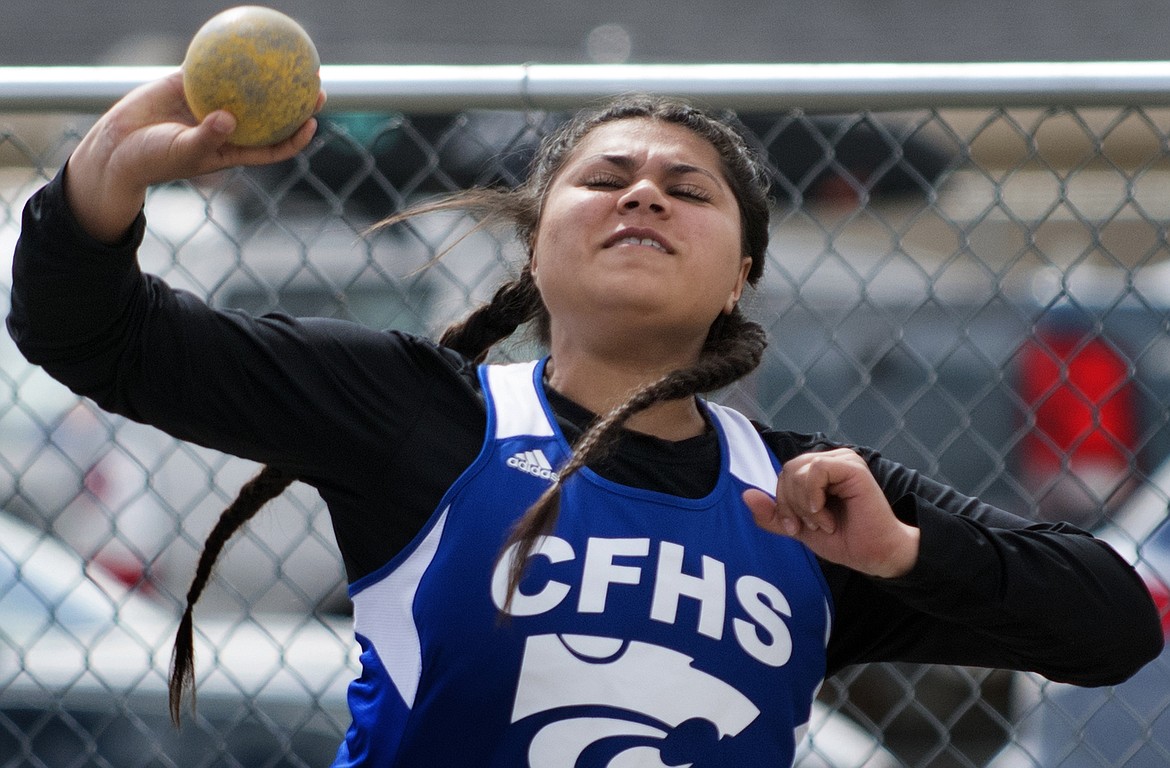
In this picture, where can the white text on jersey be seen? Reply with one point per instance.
(763, 634)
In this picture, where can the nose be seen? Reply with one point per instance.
(644, 194)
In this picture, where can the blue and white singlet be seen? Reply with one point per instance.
(649, 631)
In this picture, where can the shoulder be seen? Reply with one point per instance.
(384, 353)
(370, 382)
(787, 444)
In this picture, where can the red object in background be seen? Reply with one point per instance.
(1083, 400)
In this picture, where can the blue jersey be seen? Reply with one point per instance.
(649, 629)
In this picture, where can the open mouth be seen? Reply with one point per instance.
(643, 237)
(647, 241)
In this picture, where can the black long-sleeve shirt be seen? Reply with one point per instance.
(381, 423)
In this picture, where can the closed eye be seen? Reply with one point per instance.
(691, 192)
(604, 180)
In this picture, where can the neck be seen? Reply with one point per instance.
(602, 384)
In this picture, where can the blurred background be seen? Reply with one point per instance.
(606, 31)
(981, 292)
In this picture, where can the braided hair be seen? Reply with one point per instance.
(732, 349)
(268, 483)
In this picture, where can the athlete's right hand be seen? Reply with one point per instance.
(150, 137)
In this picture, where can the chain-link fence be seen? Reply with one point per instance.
(968, 271)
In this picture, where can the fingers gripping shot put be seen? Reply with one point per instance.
(257, 64)
(578, 559)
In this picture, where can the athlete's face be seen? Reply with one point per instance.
(640, 230)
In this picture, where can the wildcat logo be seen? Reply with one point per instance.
(649, 707)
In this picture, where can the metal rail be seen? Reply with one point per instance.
(815, 87)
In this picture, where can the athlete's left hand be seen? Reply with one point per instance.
(831, 502)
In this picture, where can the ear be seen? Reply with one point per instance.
(745, 266)
(532, 258)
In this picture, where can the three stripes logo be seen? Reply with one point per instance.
(533, 463)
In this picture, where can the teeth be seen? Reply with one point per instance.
(642, 241)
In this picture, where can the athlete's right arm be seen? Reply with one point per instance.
(267, 389)
(381, 423)
(150, 137)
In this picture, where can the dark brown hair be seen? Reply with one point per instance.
(733, 347)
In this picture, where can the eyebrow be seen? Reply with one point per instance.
(627, 163)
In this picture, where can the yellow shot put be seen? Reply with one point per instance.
(258, 64)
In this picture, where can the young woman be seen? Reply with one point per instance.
(576, 560)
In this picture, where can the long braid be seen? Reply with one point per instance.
(513, 304)
(733, 349)
(266, 485)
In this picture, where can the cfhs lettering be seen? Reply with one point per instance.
(763, 634)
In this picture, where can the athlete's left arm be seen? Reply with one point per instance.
(986, 588)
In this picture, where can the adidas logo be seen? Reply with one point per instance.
(533, 463)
